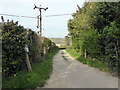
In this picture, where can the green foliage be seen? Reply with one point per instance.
(37, 78)
(95, 29)
(35, 45)
(13, 43)
(112, 42)
(91, 45)
(48, 44)
(14, 40)
(14, 68)
(93, 63)
(73, 53)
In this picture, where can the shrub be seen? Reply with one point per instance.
(13, 43)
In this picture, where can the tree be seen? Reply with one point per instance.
(95, 29)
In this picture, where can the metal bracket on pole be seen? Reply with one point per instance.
(39, 21)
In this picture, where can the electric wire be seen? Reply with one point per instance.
(34, 17)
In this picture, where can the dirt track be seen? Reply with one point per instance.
(71, 73)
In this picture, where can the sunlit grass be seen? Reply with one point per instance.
(93, 63)
(73, 53)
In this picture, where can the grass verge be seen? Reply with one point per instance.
(36, 78)
(93, 63)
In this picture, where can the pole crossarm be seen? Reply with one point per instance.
(39, 17)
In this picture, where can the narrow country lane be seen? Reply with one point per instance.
(70, 73)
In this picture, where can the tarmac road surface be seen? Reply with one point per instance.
(70, 73)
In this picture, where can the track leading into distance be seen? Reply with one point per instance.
(70, 73)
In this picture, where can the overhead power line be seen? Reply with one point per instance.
(35, 17)
(59, 15)
(17, 15)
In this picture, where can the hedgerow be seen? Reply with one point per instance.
(95, 32)
(14, 39)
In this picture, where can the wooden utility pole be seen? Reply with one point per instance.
(40, 17)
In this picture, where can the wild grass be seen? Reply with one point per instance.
(36, 78)
(93, 63)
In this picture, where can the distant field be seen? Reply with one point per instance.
(57, 40)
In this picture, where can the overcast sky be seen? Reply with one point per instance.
(55, 26)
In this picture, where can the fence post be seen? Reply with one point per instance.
(44, 51)
(27, 59)
(85, 53)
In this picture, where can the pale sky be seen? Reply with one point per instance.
(55, 27)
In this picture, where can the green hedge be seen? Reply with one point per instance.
(14, 39)
(13, 43)
(96, 31)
